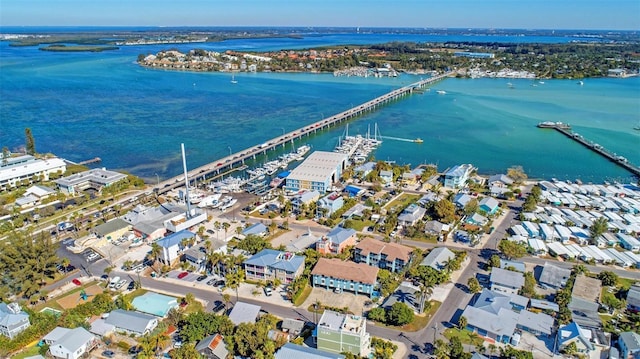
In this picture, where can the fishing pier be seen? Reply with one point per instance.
(237, 159)
(565, 129)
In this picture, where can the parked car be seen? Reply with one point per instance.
(120, 284)
(201, 278)
(268, 291)
(131, 286)
(182, 275)
(108, 354)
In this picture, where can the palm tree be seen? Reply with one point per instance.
(124, 302)
(226, 226)
(156, 250)
(160, 341)
(226, 298)
(425, 292)
(215, 259)
(239, 230)
(234, 279)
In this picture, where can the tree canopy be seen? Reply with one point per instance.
(512, 249)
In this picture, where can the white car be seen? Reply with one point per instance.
(120, 284)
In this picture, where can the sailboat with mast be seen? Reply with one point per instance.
(233, 79)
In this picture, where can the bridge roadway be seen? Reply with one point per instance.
(238, 158)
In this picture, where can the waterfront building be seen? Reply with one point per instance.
(28, 169)
(13, 319)
(336, 241)
(390, 256)
(96, 178)
(329, 204)
(70, 343)
(317, 172)
(386, 176)
(172, 245)
(474, 55)
(457, 176)
(340, 333)
(270, 264)
(339, 275)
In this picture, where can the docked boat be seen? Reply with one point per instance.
(210, 201)
(276, 182)
(233, 79)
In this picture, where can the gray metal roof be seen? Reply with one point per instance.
(585, 313)
(12, 314)
(272, 258)
(519, 266)
(213, 344)
(293, 326)
(256, 229)
(130, 320)
(631, 340)
(338, 234)
(633, 296)
(113, 225)
(507, 278)
(437, 258)
(244, 313)
(293, 351)
(73, 339)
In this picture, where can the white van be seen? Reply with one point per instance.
(114, 281)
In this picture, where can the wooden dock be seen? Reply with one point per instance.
(88, 162)
(237, 159)
(565, 129)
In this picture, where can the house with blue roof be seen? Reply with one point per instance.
(172, 245)
(257, 229)
(364, 169)
(270, 264)
(461, 200)
(489, 204)
(457, 176)
(336, 241)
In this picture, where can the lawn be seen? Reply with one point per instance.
(465, 336)
(421, 321)
(402, 201)
(359, 224)
(27, 352)
(305, 294)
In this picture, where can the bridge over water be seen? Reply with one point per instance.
(237, 159)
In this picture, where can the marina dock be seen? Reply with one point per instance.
(237, 159)
(565, 129)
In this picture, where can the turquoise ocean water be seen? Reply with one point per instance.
(84, 105)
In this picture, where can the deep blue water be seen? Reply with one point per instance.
(83, 105)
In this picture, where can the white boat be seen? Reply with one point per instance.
(210, 201)
(441, 92)
(233, 79)
(580, 83)
(302, 150)
(228, 204)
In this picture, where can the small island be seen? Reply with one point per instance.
(65, 48)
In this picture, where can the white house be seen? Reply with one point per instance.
(70, 343)
(13, 319)
(171, 245)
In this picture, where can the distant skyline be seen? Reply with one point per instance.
(510, 14)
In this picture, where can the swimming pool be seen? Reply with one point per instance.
(51, 311)
(154, 303)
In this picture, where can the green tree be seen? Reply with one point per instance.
(400, 314)
(471, 207)
(377, 314)
(5, 155)
(234, 279)
(187, 351)
(457, 350)
(529, 288)
(30, 143)
(462, 322)
(253, 244)
(124, 302)
(608, 278)
(474, 285)
(517, 174)
(494, 261)
(445, 211)
(512, 249)
(598, 228)
(441, 349)
(529, 204)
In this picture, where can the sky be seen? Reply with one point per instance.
(519, 14)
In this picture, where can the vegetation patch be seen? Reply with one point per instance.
(465, 336)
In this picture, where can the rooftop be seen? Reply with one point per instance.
(392, 250)
(175, 239)
(342, 322)
(272, 258)
(100, 176)
(338, 234)
(318, 166)
(554, 276)
(505, 277)
(127, 319)
(244, 313)
(586, 288)
(437, 258)
(336, 268)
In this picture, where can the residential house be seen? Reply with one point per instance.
(505, 281)
(256, 229)
(584, 302)
(438, 229)
(70, 343)
(386, 176)
(300, 244)
(461, 200)
(270, 264)
(438, 258)
(340, 333)
(390, 256)
(100, 327)
(330, 204)
(336, 241)
(13, 319)
(516, 265)
(573, 333)
(500, 180)
(463, 236)
(172, 245)
(406, 293)
(293, 326)
(364, 169)
(26, 169)
(633, 299)
(112, 230)
(294, 351)
(33, 195)
(410, 178)
(629, 344)
(244, 313)
(489, 204)
(132, 323)
(303, 199)
(411, 215)
(457, 176)
(339, 275)
(477, 219)
(553, 276)
(96, 178)
(213, 347)
(629, 242)
(497, 316)
(197, 255)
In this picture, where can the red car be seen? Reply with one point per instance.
(182, 275)
(76, 281)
